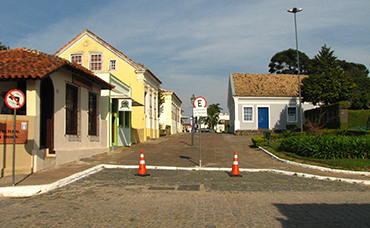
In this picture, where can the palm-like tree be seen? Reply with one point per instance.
(213, 112)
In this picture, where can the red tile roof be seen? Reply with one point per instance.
(266, 85)
(24, 63)
(86, 31)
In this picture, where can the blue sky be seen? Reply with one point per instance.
(192, 46)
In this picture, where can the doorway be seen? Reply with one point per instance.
(263, 118)
(47, 115)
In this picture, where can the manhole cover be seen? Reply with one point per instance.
(161, 188)
(189, 187)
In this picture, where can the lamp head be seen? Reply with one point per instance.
(294, 10)
(192, 99)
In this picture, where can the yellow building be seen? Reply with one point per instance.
(95, 54)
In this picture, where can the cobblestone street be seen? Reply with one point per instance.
(193, 198)
(118, 198)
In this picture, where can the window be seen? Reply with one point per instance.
(76, 58)
(71, 109)
(96, 62)
(127, 119)
(292, 114)
(145, 103)
(150, 105)
(247, 114)
(124, 119)
(93, 114)
(155, 107)
(112, 65)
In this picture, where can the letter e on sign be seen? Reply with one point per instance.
(200, 102)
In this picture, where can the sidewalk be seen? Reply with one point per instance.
(217, 150)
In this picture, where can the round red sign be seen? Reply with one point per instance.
(15, 99)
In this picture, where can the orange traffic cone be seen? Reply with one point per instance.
(235, 170)
(142, 167)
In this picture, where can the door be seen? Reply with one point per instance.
(47, 115)
(263, 118)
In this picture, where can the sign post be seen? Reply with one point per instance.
(200, 110)
(14, 99)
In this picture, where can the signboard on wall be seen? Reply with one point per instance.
(124, 105)
(7, 132)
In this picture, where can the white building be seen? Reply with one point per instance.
(263, 101)
(224, 119)
(170, 113)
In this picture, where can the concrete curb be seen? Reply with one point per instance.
(287, 173)
(324, 169)
(32, 190)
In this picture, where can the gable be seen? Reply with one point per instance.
(88, 41)
(265, 85)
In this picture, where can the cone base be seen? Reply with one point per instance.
(232, 175)
(142, 175)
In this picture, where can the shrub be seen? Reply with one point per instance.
(258, 141)
(293, 127)
(328, 147)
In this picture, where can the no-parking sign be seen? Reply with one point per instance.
(200, 107)
(14, 99)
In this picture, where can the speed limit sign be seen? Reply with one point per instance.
(15, 99)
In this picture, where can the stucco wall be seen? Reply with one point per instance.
(23, 152)
(71, 147)
(277, 110)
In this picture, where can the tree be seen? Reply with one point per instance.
(161, 100)
(213, 112)
(3, 47)
(361, 92)
(328, 82)
(285, 62)
(324, 60)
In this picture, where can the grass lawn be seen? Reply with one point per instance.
(346, 164)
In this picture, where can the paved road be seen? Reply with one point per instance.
(118, 198)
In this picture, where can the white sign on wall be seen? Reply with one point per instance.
(124, 105)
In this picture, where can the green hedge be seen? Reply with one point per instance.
(358, 118)
(328, 147)
(258, 141)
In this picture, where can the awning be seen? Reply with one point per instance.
(115, 95)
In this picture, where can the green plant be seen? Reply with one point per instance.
(328, 147)
(258, 141)
(293, 127)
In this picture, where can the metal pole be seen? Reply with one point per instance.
(192, 129)
(295, 11)
(15, 118)
(299, 74)
(200, 144)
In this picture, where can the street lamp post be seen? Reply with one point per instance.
(295, 11)
(192, 119)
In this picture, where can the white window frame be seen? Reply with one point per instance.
(289, 120)
(252, 116)
(101, 61)
(110, 65)
(75, 54)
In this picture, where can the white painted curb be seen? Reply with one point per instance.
(32, 190)
(316, 167)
